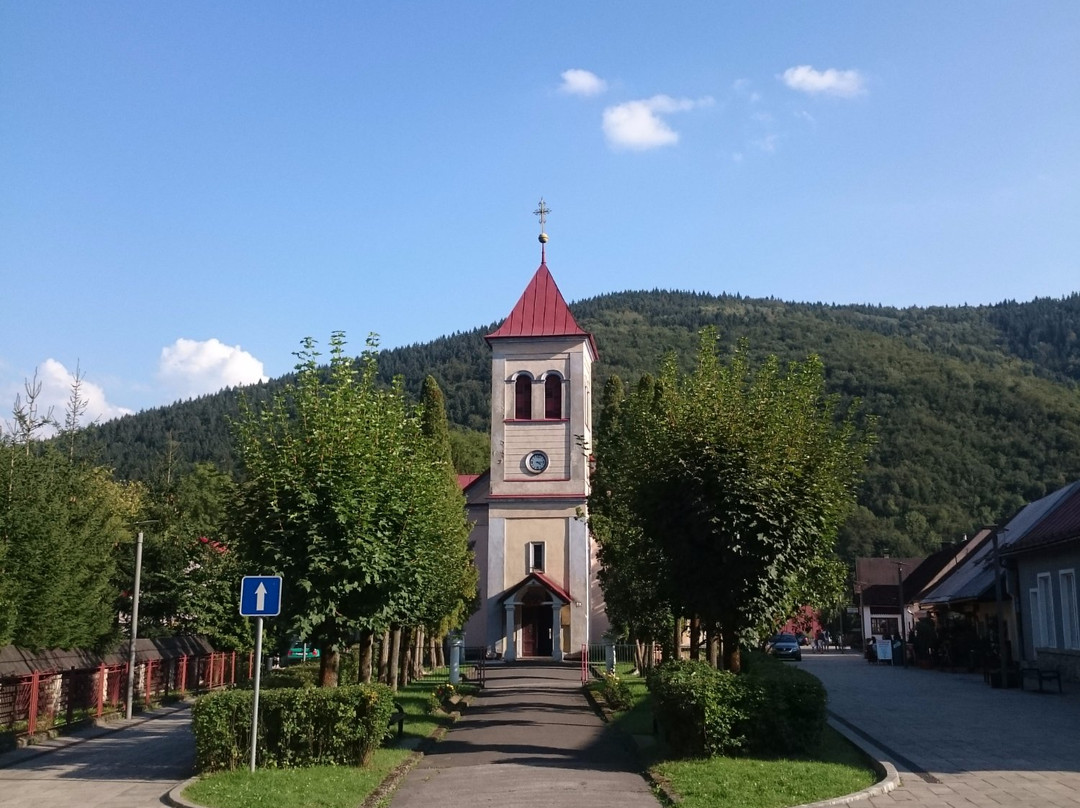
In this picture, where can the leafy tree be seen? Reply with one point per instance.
(346, 499)
(743, 479)
(634, 572)
(470, 451)
(62, 523)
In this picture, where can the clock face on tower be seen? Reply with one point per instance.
(536, 461)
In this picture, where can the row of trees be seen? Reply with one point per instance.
(348, 491)
(718, 495)
(351, 496)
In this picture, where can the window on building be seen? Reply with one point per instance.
(1037, 638)
(1044, 615)
(536, 556)
(523, 397)
(884, 626)
(553, 396)
(1070, 616)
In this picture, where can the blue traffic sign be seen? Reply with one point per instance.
(260, 596)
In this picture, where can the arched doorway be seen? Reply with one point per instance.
(536, 624)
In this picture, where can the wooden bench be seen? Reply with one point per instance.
(1041, 675)
(397, 717)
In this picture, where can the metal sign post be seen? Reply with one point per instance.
(255, 704)
(260, 596)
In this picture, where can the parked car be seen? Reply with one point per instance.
(784, 646)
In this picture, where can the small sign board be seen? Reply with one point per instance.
(260, 596)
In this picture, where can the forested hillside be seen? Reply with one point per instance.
(977, 407)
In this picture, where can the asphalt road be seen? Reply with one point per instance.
(129, 764)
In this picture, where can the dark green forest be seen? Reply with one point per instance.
(977, 407)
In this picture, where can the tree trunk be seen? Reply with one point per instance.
(433, 650)
(440, 649)
(395, 650)
(695, 638)
(640, 660)
(328, 667)
(732, 656)
(710, 645)
(367, 641)
(384, 658)
(418, 653)
(676, 638)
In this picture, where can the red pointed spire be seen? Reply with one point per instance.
(541, 312)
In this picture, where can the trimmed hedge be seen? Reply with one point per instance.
(769, 709)
(297, 727)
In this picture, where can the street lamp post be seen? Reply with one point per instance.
(134, 627)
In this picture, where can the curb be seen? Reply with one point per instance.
(890, 777)
(386, 787)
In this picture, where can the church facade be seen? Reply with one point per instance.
(538, 591)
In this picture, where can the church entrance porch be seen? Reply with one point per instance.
(536, 630)
(536, 619)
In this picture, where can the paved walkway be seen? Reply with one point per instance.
(957, 742)
(529, 739)
(126, 764)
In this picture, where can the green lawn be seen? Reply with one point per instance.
(315, 787)
(837, 769)
(325, 786)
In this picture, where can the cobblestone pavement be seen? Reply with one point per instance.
(957, 742)
(103, 767)
(529, 739)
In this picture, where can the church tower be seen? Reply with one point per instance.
(536, 566)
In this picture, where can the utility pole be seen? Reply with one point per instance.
(134, 628)
(900, 602)
(134, 621)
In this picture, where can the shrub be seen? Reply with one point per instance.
(698, 708)
(786, 706)
(440, 696)
(770, 709)
(616, 692)
(297, 727)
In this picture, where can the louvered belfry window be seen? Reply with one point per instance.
(552, 396)
(523, 398)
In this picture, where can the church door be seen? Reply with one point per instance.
(536, 630)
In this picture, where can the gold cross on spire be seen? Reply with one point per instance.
(542, 211)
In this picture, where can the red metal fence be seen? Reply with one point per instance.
(48, 699)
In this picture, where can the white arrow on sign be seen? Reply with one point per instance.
(260, 597)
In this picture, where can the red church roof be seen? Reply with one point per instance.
(541, 312)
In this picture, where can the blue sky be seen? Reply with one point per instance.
(189, 189)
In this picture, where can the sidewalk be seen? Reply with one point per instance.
(123, 764)
(957, 742)
(529, 739)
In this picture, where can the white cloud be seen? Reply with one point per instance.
(744, 88)
(192, 368)
(768, 143)
(637, 124)
(54, 396)
(581, 82)
(844, 83)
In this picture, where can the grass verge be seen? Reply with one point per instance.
(327, 786)
(838, 768)
(315, 787)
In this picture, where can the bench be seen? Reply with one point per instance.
(1041, 675)
(397, 717)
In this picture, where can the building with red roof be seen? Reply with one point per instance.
(539, 595)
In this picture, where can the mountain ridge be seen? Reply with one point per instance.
(977, 406)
